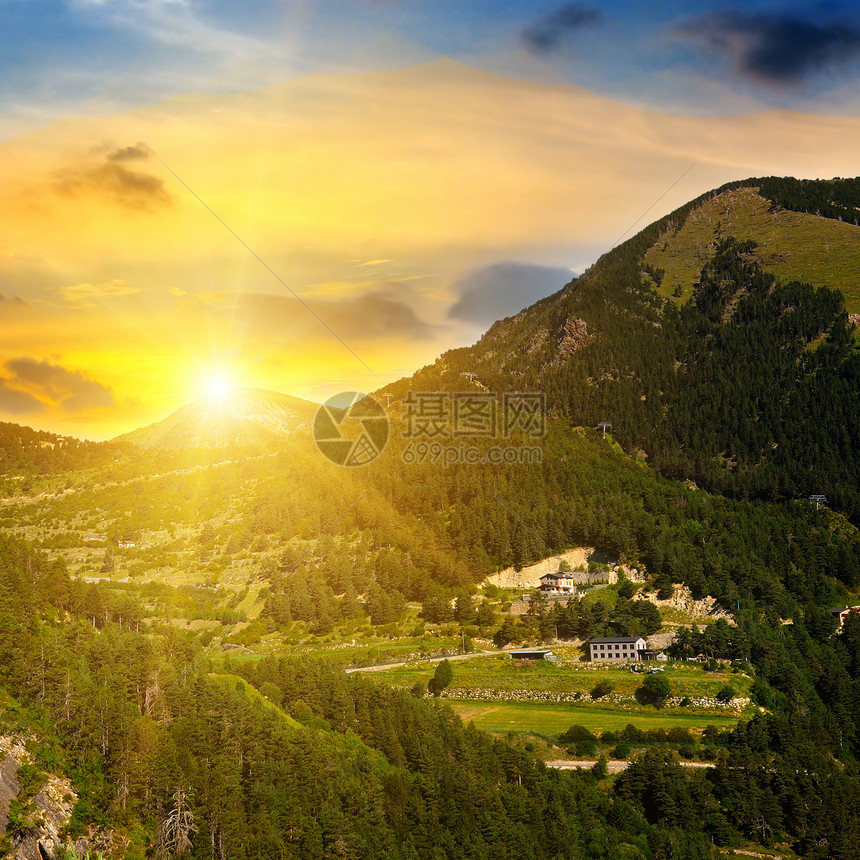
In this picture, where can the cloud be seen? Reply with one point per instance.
(375, 315)
(85, 293)
(14, 402)
(777, 50)
(494, 292)
(379, 314)
(130, 153)
(70, 388)
(113, 180)
(550, 32)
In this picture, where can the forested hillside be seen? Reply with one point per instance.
(172, 757)
(750, 389)
(148, 597)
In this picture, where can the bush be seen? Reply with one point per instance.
(631, 734)
(577, 734)
(725, 694)
(678, 735)
(626, 588)
(655, 690)
(621, 751)
(602, 689)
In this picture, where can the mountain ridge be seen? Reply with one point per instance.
(243, 416)
(706, 389)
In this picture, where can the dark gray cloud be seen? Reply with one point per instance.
(778, 50)
(378, 314)
(498, 291)
(71, 388)
(138, 152)
(133, 189)
(553, 30)
(14, 402)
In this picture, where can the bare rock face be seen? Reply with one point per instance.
(578, 559)
(682, 598)
(48, 811)
(574, 337)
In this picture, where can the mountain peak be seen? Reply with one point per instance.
(244, 416)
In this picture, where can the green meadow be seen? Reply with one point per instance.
(552, 719)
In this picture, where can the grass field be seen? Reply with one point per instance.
(792, 245)
(554, 719)
(499, 672)
(253, 693)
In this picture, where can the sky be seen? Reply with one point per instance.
(315, 197)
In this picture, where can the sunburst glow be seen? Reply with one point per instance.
(218, 387)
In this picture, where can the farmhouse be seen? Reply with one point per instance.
(617, 648)
(557, 583)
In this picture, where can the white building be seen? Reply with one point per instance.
(557, 583)
(617, 648)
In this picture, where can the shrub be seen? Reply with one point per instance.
(725, 694)
(621, 751)
(602, 689)
(678, 735)
(631, 734)
(655, 690)
(577, 734)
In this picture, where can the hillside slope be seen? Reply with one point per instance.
(246, 416)
(751, 387)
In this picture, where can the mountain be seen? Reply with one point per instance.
(246, 416)
(132, 576)
(718, 342)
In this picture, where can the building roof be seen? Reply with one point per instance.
(531, 651)
(612, 640)
(556, 576)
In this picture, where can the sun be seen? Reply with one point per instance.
(218, 387)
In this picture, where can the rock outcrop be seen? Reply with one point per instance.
(578, 559)
(49, 809)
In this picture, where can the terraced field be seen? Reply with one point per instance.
(498, 694)
(547, 719)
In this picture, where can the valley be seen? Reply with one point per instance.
(208, 621)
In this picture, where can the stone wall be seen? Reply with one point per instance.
(483, 695)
